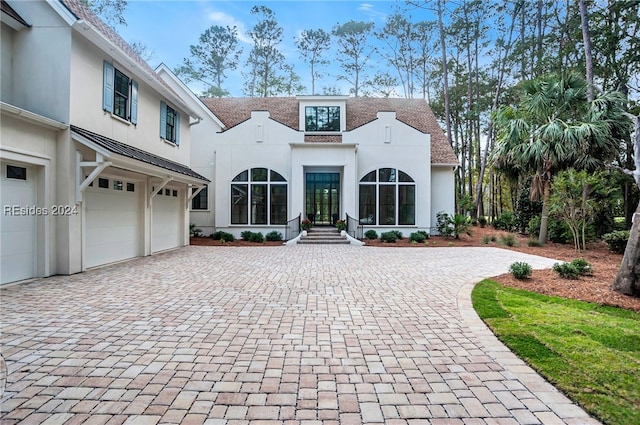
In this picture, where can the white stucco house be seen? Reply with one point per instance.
(384, 162)
(95, 147)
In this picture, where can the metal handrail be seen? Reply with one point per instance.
(354, 228)
(292, 228)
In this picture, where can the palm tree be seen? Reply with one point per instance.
(554, 127)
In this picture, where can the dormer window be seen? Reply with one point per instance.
(322, 118)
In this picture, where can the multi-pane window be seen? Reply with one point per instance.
(259, 196)
(387, 197)
(322, 118)
(120, 94)
(169, 123)
(200, 201)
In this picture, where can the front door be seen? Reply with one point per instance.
(323, 198)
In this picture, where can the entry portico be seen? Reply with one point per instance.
(318, 176)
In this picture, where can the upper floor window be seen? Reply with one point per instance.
(169, 123)
(120, 94)
(322, 118)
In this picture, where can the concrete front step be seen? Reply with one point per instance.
(323, 235)
(323, 241)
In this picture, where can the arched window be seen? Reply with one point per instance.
(259, 196)
(387, 197)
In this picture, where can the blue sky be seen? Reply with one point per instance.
(168, 28)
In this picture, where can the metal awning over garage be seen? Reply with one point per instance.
(93, 140)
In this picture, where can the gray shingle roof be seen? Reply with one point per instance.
(135, 153)
(360, 111)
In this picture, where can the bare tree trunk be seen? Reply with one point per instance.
(445, 75)
(544, 217)
(627, 281)
(586, 38)
(496, 98)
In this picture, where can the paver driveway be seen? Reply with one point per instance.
(302, 334)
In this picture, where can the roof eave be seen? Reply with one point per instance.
(88, 31)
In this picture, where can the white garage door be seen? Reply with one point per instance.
(113, 226)
(167, 221)
(18, 225)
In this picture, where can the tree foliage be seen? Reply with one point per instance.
(265, 62)
(354, 53)
(216, 53)
(554, 128)
(573, 202)
(313, 46)
(110, 11)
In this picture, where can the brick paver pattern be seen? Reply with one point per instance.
(269, 335)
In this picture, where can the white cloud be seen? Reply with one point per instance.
(369, 9)
(224, 19)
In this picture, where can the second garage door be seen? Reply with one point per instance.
(113, 222)
(167, 221)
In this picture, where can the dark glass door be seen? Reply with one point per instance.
(323, 198)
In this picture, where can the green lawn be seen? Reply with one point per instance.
(590, 352)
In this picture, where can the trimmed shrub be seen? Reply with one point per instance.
(246, 235)
(222, 236)
(257, 237)
(371, 234)
(389, 237)
(419, 236)
(583, 266)
(578, 267)
(566, 270)
(273, 236)
(520, 270)
(617, 240)
(398, 234)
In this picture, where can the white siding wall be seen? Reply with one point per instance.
(41, 63)
(86, 106)
(442, 191)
